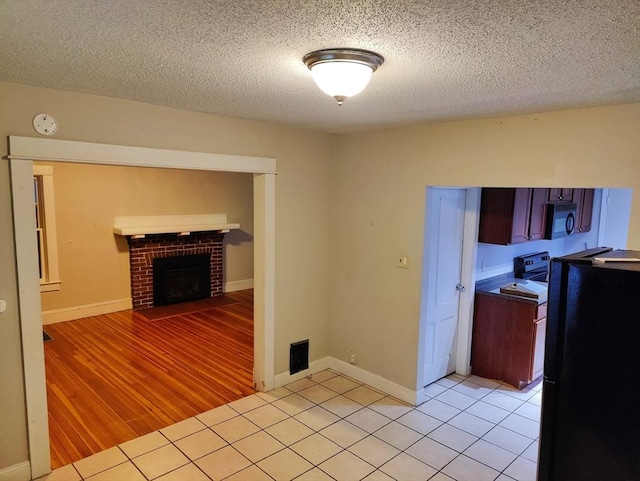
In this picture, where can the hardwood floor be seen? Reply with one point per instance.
(115, 377)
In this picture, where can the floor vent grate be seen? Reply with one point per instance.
(299, 356)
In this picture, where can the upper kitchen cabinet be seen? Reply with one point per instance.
(561, 195)
(512, 215)
(583, 198)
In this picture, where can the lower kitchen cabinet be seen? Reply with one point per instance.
(508, 338)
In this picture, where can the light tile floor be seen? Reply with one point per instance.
(330, 427)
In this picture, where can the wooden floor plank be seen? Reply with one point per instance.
(114, 377)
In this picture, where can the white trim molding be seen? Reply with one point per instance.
(468, 279)
(32, 148)
(17, 472)
(170, 224)
(30, 316)
(264, 272)
(314, 366)
(23, 151)
(375, 381)
(72, 313)
(241, 285)
(78, 312)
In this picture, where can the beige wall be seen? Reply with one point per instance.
(303, 195)
(379, 208)
(340, 223)
(94, 263)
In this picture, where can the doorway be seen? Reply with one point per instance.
(451, 223)
(23, 151)
(103, 348)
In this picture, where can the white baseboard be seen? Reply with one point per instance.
(78, 312)
(17, 472)
(421, 397)
(314, 367)
(392, 389)
(106, 307)
(240, 285)
(377, 382)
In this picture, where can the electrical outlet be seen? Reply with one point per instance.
(403, 262)
(353, 358)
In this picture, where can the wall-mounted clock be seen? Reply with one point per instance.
(45, 124)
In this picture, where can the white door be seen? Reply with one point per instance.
(443, 248)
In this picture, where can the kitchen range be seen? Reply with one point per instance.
(534, 267)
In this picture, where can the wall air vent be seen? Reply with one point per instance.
(299, 356)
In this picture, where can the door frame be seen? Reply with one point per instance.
(467, 278)
(23, 151)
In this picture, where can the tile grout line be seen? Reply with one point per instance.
(459, 453)
(340, 417)
(372, 434)
(517, 456)
(400, 451)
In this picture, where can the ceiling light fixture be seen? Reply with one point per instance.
(342, 72)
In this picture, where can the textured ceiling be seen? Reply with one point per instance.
(444, 59)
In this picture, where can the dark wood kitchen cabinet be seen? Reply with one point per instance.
(508, 339)
(583, 198)
(561, 195)
(512, 215)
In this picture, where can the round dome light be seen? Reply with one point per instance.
(342, 73)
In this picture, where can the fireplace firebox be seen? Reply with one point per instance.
(144, 250)
(181, 278)
(163, 236)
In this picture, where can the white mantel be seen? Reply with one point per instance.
(139, 226)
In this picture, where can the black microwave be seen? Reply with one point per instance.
(560, 220)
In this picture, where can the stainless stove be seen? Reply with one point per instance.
(533, 267)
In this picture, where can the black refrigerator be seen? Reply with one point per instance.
(590, 424)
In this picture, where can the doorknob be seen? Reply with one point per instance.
(459, 287)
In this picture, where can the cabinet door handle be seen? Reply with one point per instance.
(460, 287)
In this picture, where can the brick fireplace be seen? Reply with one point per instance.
(165, 236)
(142, 252)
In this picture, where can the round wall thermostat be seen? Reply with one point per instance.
(45, 124)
